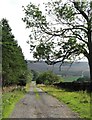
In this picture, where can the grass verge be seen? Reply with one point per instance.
(77, 101)
(36, 93)
(27, 87)
(9, 100)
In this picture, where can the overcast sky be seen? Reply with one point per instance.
(12, 10)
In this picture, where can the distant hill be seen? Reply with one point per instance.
(77, 68)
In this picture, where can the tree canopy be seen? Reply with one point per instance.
(64, 32)
(13, 63)
(47, 78)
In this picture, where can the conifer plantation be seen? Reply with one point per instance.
(14, 66)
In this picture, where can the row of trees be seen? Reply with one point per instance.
(64, 32)
(14, 66)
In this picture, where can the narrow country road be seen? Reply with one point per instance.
(38, 104)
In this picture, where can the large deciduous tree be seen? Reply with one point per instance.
(63, 32)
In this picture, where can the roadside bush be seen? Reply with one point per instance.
(35, 75)
(29, 76)
(22, 82)
(47, 78)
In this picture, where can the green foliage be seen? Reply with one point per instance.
(77, 101)
(29, 76)
(67, 35)
(47, 77)
(21, 82)
(34, 11)
(27, 87)
(9, 100)
(73, 23)
(34, 75)
(13, 64)
(43, 50)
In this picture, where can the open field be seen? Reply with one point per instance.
(70, 78)
(78, 69)
(77, 101)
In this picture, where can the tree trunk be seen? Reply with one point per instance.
(90, 50)
(90, 54)
(90, 67)
(90, 61)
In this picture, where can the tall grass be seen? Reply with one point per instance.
(77, 101)
(27, 87)
(9, 100)
(36, 93)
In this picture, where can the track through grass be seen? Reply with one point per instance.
(77, 101)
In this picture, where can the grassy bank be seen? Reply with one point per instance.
(27, 87)
(77, 101)
(36, 93)
(9, 100)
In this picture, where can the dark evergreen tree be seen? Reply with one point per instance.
(13, 64)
